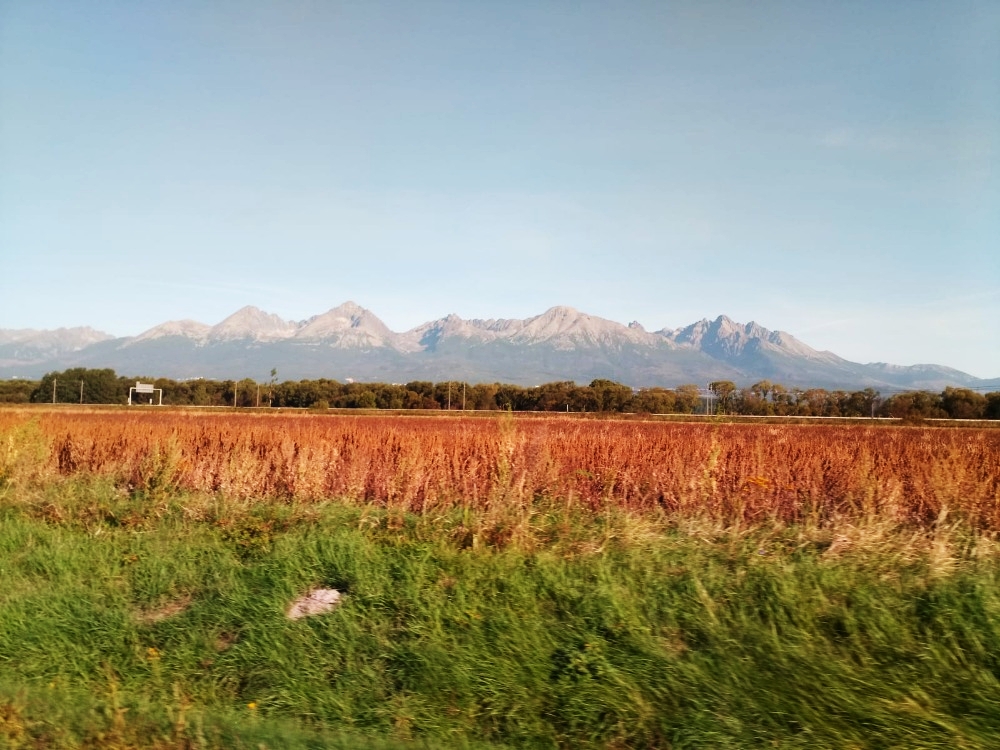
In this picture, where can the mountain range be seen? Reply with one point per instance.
(560, 344)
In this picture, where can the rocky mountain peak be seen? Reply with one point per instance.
(186, 328)
(724, 327)
(348, 325)
(252, 323)
(566, 328)
(349, 309)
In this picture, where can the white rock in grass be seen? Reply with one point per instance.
(316, 602)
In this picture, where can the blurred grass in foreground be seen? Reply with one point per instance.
(157, 620)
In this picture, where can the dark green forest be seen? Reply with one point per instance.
(764, 398)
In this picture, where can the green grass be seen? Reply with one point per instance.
(134, 621)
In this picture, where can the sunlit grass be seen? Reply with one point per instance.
(157, 619)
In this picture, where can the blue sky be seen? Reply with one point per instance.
(828, 169)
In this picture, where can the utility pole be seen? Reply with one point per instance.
(81, 391)
(449, 395)
(236, 387)
(463, 395)
(258, 395)
(54, 381)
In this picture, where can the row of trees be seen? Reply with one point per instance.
(105, 387)
(767, 398)
(723, 397)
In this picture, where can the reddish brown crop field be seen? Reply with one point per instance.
(736, 473)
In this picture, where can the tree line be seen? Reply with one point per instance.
(767, 398)
(90, 386)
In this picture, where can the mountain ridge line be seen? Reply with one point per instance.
(561, 343)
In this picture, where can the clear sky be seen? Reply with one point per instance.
(827, 169)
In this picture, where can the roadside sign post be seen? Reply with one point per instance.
(145, 388)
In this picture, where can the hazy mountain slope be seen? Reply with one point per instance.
(931, 377)
(24, 346)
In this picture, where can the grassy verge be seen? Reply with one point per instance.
(158, 621)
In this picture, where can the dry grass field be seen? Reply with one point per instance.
(735, 473)
(506, 582)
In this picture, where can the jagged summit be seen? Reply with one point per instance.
(725, 337)
(252, 323)
(568, 327)
(561, 327)
(187, 328)
(451, 327)
(347, 325)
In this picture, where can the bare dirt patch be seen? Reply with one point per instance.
(164, 611)
(316, 602)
